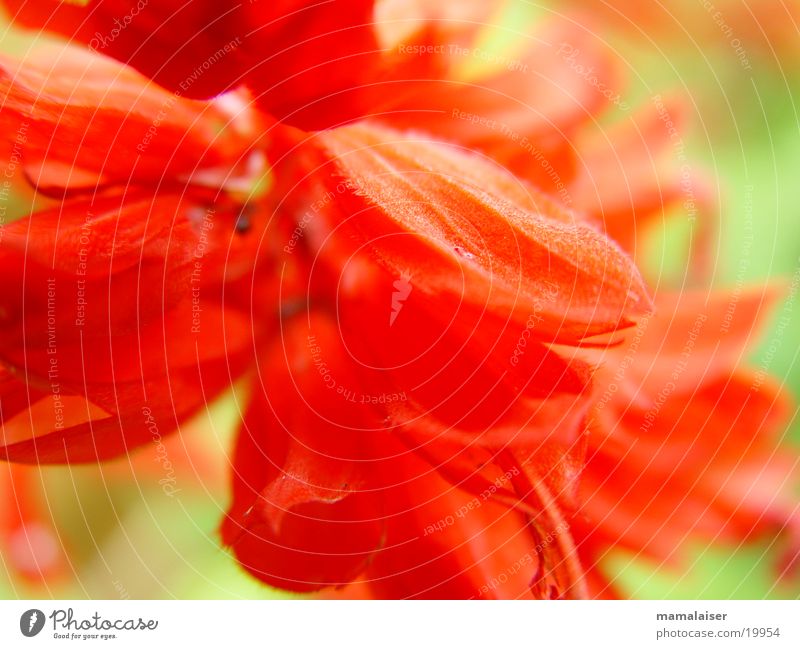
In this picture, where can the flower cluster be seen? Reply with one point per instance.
(460, 384)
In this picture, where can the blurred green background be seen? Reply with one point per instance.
(114, 532)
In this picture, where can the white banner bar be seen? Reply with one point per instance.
(404, 625)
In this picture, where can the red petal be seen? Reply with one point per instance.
(305, 513)
(692, 337)
(64, 105)
(303, 523)
(304, 60)
(468, 374)
(710, 467)
(417, 202)
(311, 63)
(79, 327)
(167, 41)
(131, 389)
(445, 543)
(525, 112)
(684, 445)
(632, 173)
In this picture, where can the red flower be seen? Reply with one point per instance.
(685, 441)
(428, 304)
(79, 272)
